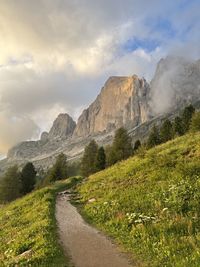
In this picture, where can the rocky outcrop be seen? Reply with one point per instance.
(123, 101)
(63, 127)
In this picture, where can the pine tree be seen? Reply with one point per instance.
(166, 131)
(195, 123)
(28, 178)
(58, 171)
(122, 146)
(137, 145)
(187, 117)
(111, 157)
(88, 161)
(10, 185)
(100, 159)
(154, 137)
(178, 126)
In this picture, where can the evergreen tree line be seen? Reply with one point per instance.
(97, 158)
(60, 170)
(16, 183)
(188, 121)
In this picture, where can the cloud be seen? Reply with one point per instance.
(55, 55)
(177, 82)
(14, 130)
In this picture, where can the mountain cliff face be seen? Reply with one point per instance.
(123, 101)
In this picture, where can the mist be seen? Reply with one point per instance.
(176, 82)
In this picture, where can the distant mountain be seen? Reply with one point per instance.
(123, 101)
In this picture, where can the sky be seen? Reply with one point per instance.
(55, 55)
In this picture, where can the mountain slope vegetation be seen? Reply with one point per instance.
(28, 232)
(150, 203)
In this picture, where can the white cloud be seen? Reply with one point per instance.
(55, 55)
(15, 129)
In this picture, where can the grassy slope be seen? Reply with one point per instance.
(28, 225)
(151, 203)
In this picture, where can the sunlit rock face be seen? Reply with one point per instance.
(123, 101)
(63, 127)
(176, 83)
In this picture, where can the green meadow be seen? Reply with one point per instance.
(150, 203)
(28, 233)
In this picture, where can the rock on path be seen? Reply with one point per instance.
(86, 246)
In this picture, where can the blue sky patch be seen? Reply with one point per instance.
(162, 27)
(135, 43)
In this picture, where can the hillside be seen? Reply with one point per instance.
(28, 230)
(150, 203)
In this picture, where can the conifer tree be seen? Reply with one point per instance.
(10, 185)
(178, 126)
(137, 145)
(166, 131)
(195, 122)
(28, 178)
(187, 117)
(100, 159)
(88, 161)
(122, 146)
(58, 171)
(154, 137)
(110, 156)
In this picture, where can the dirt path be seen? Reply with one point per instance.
(86, 246)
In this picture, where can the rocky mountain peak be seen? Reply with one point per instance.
(123, 101)
(63, 127)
